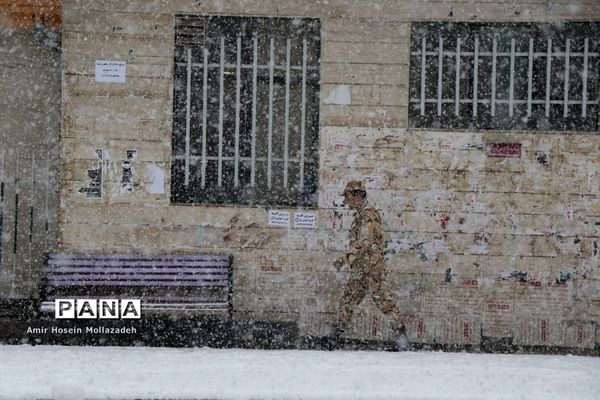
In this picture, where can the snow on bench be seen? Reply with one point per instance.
(195, 284)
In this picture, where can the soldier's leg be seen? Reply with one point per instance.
(355, 291)
(383, 299)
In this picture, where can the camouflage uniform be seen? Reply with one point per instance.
(365, 256)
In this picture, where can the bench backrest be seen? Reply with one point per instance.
(137, 270)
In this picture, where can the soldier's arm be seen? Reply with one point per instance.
(374, 229)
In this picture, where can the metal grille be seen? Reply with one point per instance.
(505, 76)
(246, 107)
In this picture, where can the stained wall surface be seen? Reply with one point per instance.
(477, 245)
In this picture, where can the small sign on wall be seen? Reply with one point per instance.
(279, 218)
(110, 71)
(305, 220)
(504, 150)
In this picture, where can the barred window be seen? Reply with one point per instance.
(530, 76)
(246, 111)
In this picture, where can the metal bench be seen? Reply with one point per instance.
(195, 284)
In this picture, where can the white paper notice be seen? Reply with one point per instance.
(110, 71)
(305, 220)
(156, 179)
(279, 218)
(373, 182)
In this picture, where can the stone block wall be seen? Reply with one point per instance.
(478, 246)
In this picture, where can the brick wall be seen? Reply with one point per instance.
(462, 226)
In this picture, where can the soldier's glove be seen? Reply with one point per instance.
(338, 264)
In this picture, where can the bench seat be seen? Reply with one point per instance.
(199, 284)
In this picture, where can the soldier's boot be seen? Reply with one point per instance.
(401, 341)
(332, 341)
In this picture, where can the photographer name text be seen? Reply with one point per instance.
(95, 330)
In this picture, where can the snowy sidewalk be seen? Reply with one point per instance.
(47, 372)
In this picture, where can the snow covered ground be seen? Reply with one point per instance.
(58, 372)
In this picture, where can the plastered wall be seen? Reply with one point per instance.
(478, 246)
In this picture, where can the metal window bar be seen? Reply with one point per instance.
(548, 77)
(549, 54)
(204, 115)
(530, 78)
(242, 159)
(584, 78)
(511, 89)
(505, 101)
(238, 86)
(188, 105)
(16, 224)
(286, 129)
(494, 59)
(451, 53)
(292, 67)
(254, 115)
(423, 71)
(440, 73)
(269, 136)
(567, 68)
(457, 80)
(475, 75)
(46, 204)
(270, 124)
(303, 112)
(221, 105)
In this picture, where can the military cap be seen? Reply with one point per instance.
(354, 186)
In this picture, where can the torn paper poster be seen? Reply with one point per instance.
(155, 177)
(127, 172)
(339, 95)
(94, 187)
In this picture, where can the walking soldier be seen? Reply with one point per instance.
(365, 257)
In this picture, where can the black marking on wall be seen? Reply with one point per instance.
(127, 172)
(46, 212)
(543, 159)
(594, 251)
(519, 276)
(448, 276)
(31, 224)
(16, 221)
(515, 276)
(563, 277)
(33, 187)
(474, 146)
(15, 246)
(1, 215)
(94, 188)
